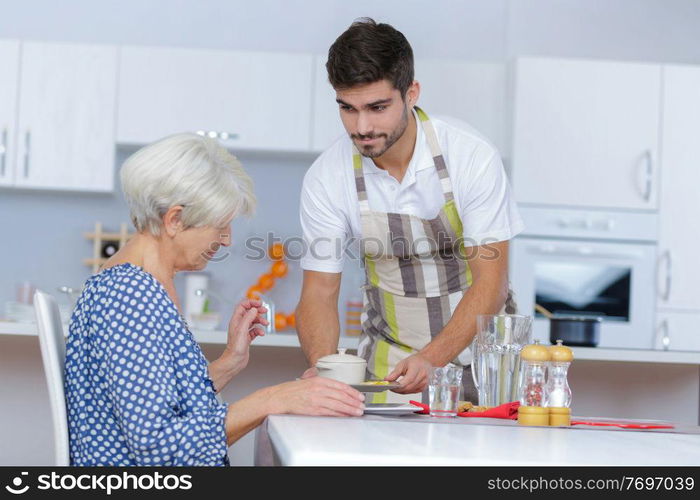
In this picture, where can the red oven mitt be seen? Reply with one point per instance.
(507, 411)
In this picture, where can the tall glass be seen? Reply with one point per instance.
(496, 364)
(443, 389)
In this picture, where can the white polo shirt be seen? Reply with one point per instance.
(330, 212)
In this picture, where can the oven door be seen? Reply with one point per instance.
(613, 280)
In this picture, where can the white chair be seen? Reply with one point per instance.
(53, 354)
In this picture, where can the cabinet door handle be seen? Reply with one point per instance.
(3, 152)
(666, 293)
(648, 182)
(224, 136)
(27, 145)
(663, 334)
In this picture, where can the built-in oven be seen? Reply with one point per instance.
(588, 263)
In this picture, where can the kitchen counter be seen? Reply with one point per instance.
(289, 339)
(424, 440)
(278, 339)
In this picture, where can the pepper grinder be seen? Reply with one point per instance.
(532, 410)
(558, 392)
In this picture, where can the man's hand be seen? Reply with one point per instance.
(414, 372)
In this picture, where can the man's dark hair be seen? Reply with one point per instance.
(368, 52)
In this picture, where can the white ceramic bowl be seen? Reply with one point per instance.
(342, 367)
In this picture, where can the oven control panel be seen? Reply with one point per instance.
(589, 224)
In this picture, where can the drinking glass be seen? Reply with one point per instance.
(443, 389)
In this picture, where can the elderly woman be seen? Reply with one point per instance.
(138, 388)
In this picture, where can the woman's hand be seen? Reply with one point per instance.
(316, 396)
(247, 322)
(313, 396)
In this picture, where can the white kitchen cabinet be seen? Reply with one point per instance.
(9, 62)
(677, 330)
(679, 238)
(65, 129)
(327, 126)
(251, 100)
(586, 133)
(472, 92)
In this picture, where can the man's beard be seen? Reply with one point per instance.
(369, 152)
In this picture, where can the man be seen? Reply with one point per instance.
(430, 204)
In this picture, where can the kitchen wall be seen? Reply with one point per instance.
(41, 233)
(649, 30)
(45, 243)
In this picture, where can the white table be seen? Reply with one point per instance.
(422, 440)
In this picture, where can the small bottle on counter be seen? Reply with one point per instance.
(353, 314)
(558, 392)
(354, 305)
(532, 410)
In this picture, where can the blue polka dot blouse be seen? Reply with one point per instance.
(137, 386)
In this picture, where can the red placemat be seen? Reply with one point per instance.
(506, 410)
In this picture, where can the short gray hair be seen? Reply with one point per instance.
(189, 170)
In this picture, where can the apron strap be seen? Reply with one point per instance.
(360, 185)
(435, 150)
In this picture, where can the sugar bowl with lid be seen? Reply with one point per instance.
(342, 367)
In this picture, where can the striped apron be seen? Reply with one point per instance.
(416, 273)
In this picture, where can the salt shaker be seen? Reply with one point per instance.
(532, 410)
(558, 393)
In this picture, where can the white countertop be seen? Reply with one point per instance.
(423, 440)
(278, 339)
(289, 339)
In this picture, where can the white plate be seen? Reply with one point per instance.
(391, 409)
(369, 387)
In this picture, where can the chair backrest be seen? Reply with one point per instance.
(53, 354)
